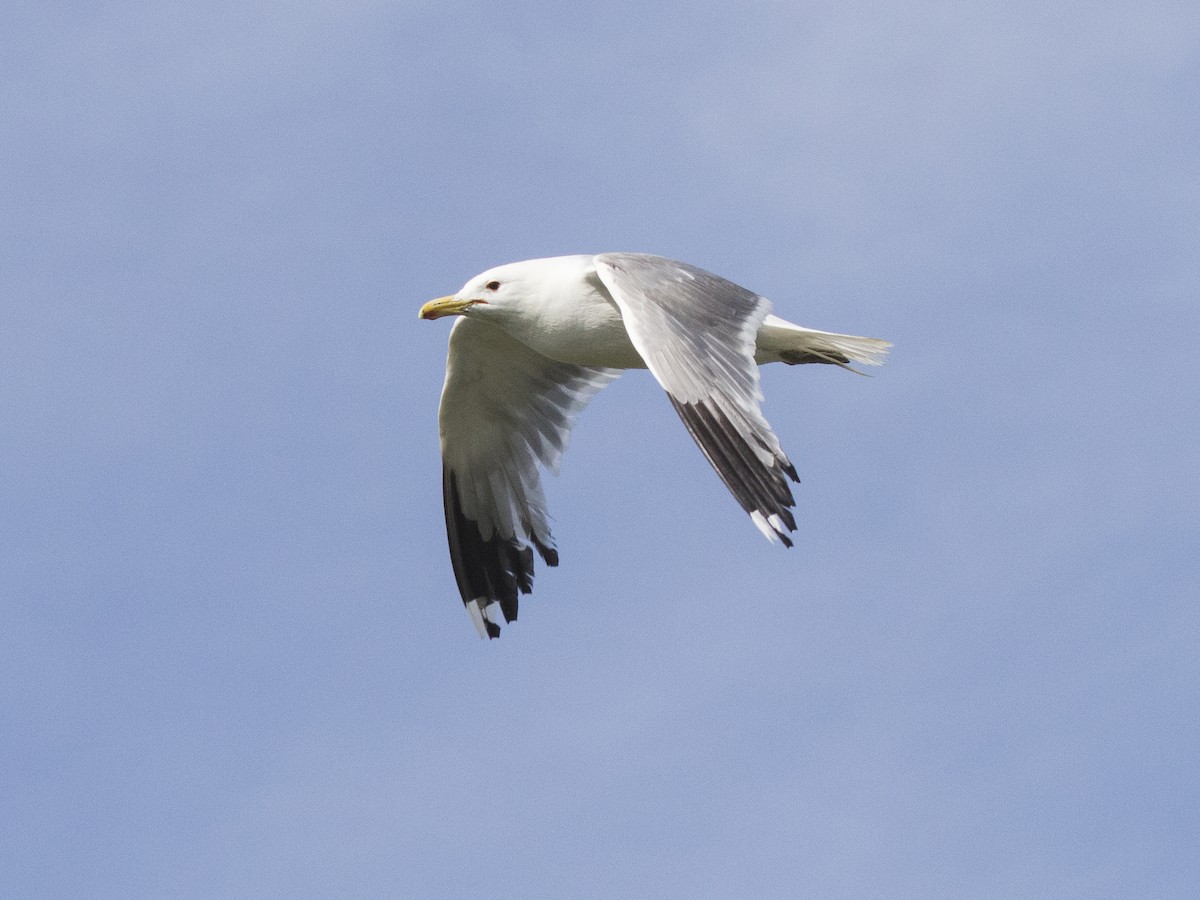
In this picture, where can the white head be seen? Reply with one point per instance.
(519, 284)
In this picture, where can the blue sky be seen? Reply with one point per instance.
(233, 660)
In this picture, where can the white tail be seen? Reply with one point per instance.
(781, 341)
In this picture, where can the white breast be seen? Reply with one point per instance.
(573, 320)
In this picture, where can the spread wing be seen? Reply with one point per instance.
(506, 410)
(696, 332)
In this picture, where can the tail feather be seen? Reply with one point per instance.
(795, 345)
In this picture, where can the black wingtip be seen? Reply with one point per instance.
(491, 570)
(548, 553)
(761, 490)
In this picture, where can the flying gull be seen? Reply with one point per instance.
(534, 343)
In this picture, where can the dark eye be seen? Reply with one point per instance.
(492, 285)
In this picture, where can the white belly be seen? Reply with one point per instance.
(585, 334)
(591, 332)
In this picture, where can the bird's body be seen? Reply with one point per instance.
(570, 317)
(538, 339)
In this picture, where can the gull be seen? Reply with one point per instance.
(536, 340)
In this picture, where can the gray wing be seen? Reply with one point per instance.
(696, 333)
(506, 410)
